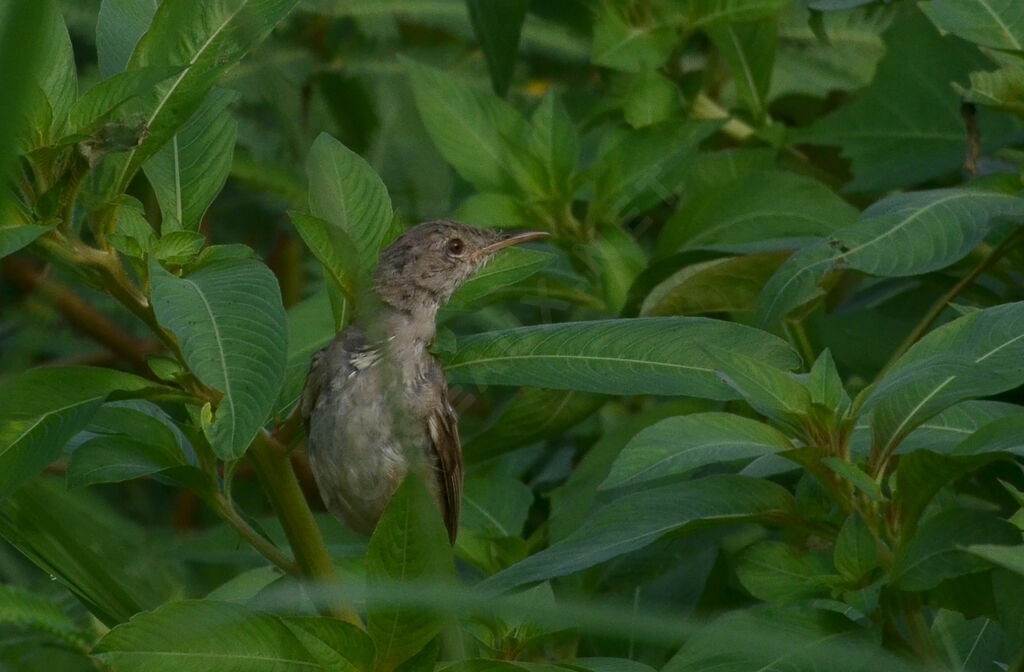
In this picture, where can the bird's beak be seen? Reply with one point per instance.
(510, 239)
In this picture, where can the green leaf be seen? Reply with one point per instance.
(974, 356)
(495, 506)
(717, 12)
(681, 444)
(209, 636)
(337, 645)
(105, 559)
(776, 572)
(968, 645)
(511, 266)
(635, 356)
(111, 459)
(637, 520)
(936, 550)
(1002, 89)
(650, 98)
(178, 248)
(24, 610)
(531, 415)
(497, 24)
(119, 26)
(190, 170)
(1010, 557)
(409, 545)
(617, 259)
(345, 191)
(748, 50)
(727, 285)
(826, 386)
(947, 430)
(44, 408)
(762, 210)
(905, 234)
(1004, 435)
(630, 48)
(856, 552)
(334, 249)
(990, 23)
(920, 138)
(207, 36)
(231, 328)
(638, 168)
(13, 237)
(855, 476)
(99, 103)
(472, 129)
(768, 389)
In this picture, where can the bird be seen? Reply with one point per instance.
(376, 403)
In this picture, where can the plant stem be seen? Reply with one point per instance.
(939, 306)
(282, 487)
(268, 550)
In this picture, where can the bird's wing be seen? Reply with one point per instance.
(314, 383)
(444, 440)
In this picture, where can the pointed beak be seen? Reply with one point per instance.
(509, 239)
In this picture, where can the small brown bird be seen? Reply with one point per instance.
(376, 401)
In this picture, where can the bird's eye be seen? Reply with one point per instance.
(456, 246)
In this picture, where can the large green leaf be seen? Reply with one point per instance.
(658, 355)
(335, 250)
(937, 550)
(410, 545)
(471, 128)
(232, 331)
(990, 23)
(110, 459)
(906, 128)
(497, 24)
(208, 37)
(43, 408)
(974, 356)
(748, 50)
(207, 636)
(345, 191)
(906, 234)
(189, 171)
(637, 520)
(119, 26)
(681, 444)
(727, 285)
(762, 210)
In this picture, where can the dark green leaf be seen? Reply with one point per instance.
(232, 331)
(17, 236)
(748, 50)
(1010, 557)
(409, 545)
(118, 28)
(717, 12)
(680, 444)
(497, 24)
(637, 520)
(24, 610)
(777, 572)
(768, 389)
(972, 645)
(990, 23)
(554, 142)
(856, 552)
(630, 48)
(639, 356)
(334, 249)
(110, 459)
(1001, 89)
(1001, 435)
(511, 266)
(495, 506)
(177, 247)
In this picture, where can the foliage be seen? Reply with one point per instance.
(756, 405)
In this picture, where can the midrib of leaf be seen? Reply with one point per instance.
(174, 87)
(1002, 25)
(731, 222)
(486, 514)
(646, 362)
(747, 74)
(228, 397)
(47, 415)
(974, 644)
(686, 451)
(633, 34)
(177, 180)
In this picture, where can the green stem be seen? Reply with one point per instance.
(939, 306)
(264, 546)
(275, 471)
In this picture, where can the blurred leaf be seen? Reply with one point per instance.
(902, 235)
(99, 555)
(189, 171)
(118, 28)
(972, 645)
(717, 12)
(727, 285)
(531, 415)
(856, 552)
(23, 610)
(684, 443)
(1010, 557)
(974, 356)
(777, 572)
(748, 50)
(638, 519)
(495, 506)
(936, 550)
(761, 210)
(630, 48)
(231, 328)
(998, 24)
(905, 128)
(16, 236)
(55, 77)
(616, 258)
(638, 356)
(110, 459)
(472, 129)
(208, 36)
(651, 98)
(409, 545)
(497, 24)
(337, 645)
(554, 141)
(637, 168)
(345, 191)
(1002, 89)
(43, 408)
(208, 636)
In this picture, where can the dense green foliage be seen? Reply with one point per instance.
(756, 405)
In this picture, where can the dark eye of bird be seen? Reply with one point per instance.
(455, 246)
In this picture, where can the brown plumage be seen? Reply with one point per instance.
(376, 401)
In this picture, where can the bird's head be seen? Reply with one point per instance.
(427, 263)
